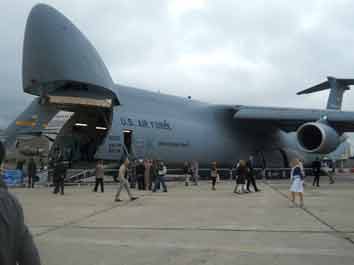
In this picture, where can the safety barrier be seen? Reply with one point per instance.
(175, 174)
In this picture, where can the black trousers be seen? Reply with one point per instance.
(141, 182)
(153, 182)
(30, 182)
(251, 180)
(59, 185)
(99, 182)
(213, 181)
(316, 179)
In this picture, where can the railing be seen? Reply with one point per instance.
(81, 174)
(204, 173)
(227, 173)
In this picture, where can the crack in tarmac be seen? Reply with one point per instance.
(339, 233)
(94, 213)
(185, 228)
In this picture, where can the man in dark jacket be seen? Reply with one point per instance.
(154, 172)
(31, 172)
(250, 175)
(16, 243)
(59, 175)
(140, 171)
(316, 171)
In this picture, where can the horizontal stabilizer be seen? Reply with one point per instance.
(326, 85)
(337, 86)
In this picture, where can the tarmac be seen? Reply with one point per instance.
(193, 225)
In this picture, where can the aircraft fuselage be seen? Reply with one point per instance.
(179, 129)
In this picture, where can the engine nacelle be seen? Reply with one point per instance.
(317, 137)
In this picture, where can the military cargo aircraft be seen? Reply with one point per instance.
(65, 73)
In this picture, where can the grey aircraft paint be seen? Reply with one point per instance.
(64, 70)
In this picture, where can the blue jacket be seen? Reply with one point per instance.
(297, 172)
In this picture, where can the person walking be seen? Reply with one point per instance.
(214, 175)
(31, 172)
(241, 173)
(132, 174)
(250, 175)
(297, 182)
(186, 173)
(316, 171)
(195, 171)
(160, 179)
(332, 171)
(147, 176)
(154, 173)
(99, 176)
(327, 170)
(59, 175)
(140, 171)
(123, 182)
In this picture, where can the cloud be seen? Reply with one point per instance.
(178, 8)
(233, 52)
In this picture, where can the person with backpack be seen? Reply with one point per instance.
(297, 182)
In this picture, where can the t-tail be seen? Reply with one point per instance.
(337, 88)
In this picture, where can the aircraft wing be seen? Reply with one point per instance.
(289, 119)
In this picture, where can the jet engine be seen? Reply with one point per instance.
(317, 137)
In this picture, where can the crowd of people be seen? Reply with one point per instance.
(150, 175)
(145, 174)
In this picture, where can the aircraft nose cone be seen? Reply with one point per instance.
(55, 50)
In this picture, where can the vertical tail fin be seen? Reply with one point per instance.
(32, 121)
(337, 88)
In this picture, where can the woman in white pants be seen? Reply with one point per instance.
(297, 182)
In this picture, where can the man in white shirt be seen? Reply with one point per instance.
(123, 182)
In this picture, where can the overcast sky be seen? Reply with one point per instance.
(232, 52)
